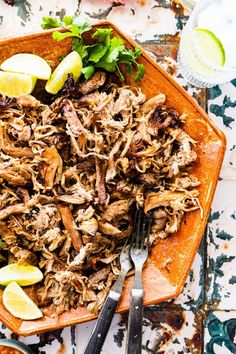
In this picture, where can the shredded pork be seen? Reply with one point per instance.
(72, 171)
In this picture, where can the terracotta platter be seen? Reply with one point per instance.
(160, 282)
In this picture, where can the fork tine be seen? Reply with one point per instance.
(140, 236)
(134, 226)
(133, 235)
(143, 233)
(125, 246)
(138, 229)
(148, 233)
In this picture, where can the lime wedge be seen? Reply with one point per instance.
(209, 46)
(27, 64)
(71, 64)
(22, 274)
(18, 303)
(14, 84)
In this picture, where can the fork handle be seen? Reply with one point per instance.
(135, 323)
(102, 325)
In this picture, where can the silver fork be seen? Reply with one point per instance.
(139, 254)
(103, 323)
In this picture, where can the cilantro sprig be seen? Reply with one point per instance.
(98, 48)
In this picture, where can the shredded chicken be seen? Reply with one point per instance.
(71, 174)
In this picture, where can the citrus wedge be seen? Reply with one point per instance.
(71, 64)
(14, 84)
(18, 303)
(209, 46)
(22, 274)
(27, 64)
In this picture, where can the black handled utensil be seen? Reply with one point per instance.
(103, 323)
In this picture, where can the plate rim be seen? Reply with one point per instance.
(178, 288)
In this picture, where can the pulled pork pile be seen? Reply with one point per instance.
(70, 173)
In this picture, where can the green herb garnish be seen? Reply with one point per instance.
(98, 48)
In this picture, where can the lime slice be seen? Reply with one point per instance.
(27, 64)
(14, 84)
(71, 64)
(22, 274)
(18, 303)
(209, 46)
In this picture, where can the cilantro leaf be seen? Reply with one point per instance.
(83, 23)
(58, 36)
(103, 35)
(128, 55)
(129, 68)
(141, 72)
(74, 31)
(103, 51)
(67, 20)
(116, 46)
(50, 22)
(120, 73)
(88, 71)
(111, 67)
(97, 52)
(79, 46)
(137, 52)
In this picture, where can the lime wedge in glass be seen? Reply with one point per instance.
(22, 274)
(14, 84)
(209, 47)
(71, 64)
(27, 64)
(19, 304)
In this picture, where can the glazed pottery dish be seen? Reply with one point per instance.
(11, 346)
(170, 258)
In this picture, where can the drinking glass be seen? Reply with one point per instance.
(188, 4)
(216, 19)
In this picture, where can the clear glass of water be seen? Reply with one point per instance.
(188, 4)
(207, 52)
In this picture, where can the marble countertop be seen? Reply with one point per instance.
(203, 318)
